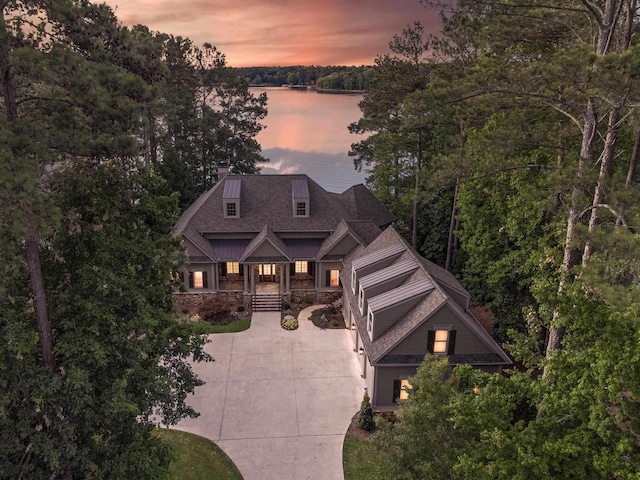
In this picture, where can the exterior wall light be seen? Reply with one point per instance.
(361, 351)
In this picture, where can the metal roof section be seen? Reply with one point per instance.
(300, 188)
(231, 188)
(400, 294)
(374, 257)
(393, 271)
(303, 248)
(229, 249)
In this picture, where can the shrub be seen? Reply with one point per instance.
(365, 416)
(241, 308)
(215, 310)
(334, 322)
(289, 323)
(286, 306)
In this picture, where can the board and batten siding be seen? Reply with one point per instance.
(323, 269)
(466, 340)
(383, 395)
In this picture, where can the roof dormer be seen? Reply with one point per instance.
(300, 196)
(231, 198)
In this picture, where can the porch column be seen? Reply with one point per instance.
(283, 267)
(316, 276)
(253, 280)
(215, 279)
(245, 268)
(287, 275)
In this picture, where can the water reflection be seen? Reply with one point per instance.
(307, 133)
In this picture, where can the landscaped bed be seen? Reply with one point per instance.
(327, 317)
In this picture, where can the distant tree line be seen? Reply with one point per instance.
(334, 77)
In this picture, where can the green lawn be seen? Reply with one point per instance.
(362, 460)
(233, 327)
(196, 458)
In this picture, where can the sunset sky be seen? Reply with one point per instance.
(282, 32)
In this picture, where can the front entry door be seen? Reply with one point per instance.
(267, 272)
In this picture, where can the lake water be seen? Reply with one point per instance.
(307, 133)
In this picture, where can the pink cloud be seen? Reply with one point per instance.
(282, 32)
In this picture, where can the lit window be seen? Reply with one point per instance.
(302, 266)
(334, 278)
(232, 209)
(405, 387)
(301, 209)
(267, 269)
(441, 341)
(233, 267)
(198, 280)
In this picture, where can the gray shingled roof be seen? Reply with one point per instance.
(266, 200)
(341, 230)
(362, 204)
(390, 241)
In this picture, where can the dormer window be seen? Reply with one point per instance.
(300, 195)
(231, 210)
(370, 323)
(231, 198)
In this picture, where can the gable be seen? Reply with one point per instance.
(343, 246)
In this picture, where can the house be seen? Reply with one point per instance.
(253, 234)
(399, 307)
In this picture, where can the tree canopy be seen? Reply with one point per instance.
(537, 106)
(105, 132)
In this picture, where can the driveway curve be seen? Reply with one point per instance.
(279, 402)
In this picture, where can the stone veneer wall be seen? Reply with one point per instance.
(191, 301)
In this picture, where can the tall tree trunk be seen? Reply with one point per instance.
(556, 333)
(605, 169)
(452, 226)
(32, 250)
(31, 242)
(633, 162)
(416, 193)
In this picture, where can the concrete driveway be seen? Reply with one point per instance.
(279, 402)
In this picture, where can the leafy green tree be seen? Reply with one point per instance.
(91, 352)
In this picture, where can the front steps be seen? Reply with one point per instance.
(266, 302)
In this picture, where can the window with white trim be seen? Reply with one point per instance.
(231, 210)
(361, 300)
(353, 280)
(301, 209)
(370, 323)
(233, 267)
(302, 266)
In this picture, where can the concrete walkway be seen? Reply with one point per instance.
(279, 402)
